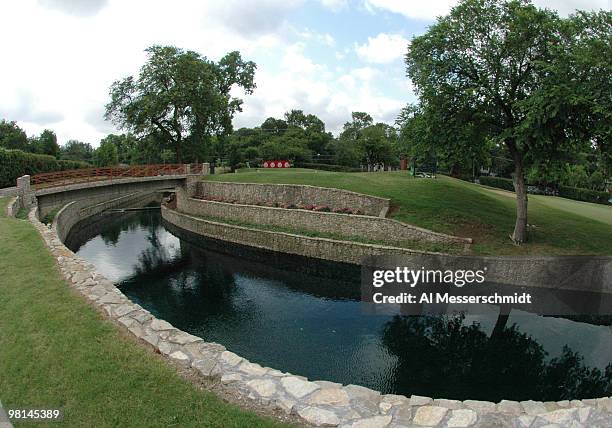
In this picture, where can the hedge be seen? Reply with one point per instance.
(586, 195)
(500, 183)
(575, 193)
(15, 163)
(327, 167)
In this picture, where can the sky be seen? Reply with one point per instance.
(326, 57)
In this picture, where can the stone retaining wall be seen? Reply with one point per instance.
(251, 193)
(318, 248)
(319, 403)
(368, 227)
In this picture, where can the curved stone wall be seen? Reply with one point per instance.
(75, 211)
(252, 193)
(55, 197)
(318, 248)
(319, 403)
(369, 227)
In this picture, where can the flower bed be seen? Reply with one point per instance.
(308, 207)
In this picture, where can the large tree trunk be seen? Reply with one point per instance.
(520, 227)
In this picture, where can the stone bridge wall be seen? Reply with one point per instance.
(52, 198)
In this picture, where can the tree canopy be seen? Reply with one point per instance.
(181, 96)
(507, 72)
(12, 136)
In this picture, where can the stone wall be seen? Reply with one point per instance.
(319, 248)
(375, 228)
(52, 198)
(250, 193)
(75, 211)
(12, 207)
(318, 403)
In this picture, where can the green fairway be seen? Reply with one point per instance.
(464, 209)
(596, 212)
(56, 351)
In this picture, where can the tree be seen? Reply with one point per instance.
(126, 146)
(505, 66)
(351, 130)
(313, 128)
(374, 142)
(12, 136)
(48, 143)
(77, 151)
(181, 95)
(432, 135)
(273, 126)
(106, 154)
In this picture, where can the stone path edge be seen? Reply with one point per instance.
(319, 403)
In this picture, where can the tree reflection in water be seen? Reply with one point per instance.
(442, 357)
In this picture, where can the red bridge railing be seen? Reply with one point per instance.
(60, 178)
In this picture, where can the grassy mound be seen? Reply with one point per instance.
(464, 209)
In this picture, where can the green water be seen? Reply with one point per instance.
(303, 316)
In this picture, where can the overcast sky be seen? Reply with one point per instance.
(327, 57)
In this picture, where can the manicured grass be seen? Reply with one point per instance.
(58, 352)
(596, 212)
(460, 208)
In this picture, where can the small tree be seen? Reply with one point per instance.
(48, 143)
(106, 154)
(12, 136)
(77, 151)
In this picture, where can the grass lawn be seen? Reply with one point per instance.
(463, 209)
(56, 351)
(597, 212)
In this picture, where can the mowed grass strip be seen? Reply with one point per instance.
(56, 351)
(464, 209)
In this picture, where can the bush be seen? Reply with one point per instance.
(15, 163)
(586, 195)
(327, 167)
(576, 193)
(500, 183)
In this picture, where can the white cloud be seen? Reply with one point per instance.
(412, 9)
(251, 18)
(335, 5)
(295, 61)
(323, 38)
(429, 10)
(382, 49)
(331, 98)
(75, 7)
(568, 7)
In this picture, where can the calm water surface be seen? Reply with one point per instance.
(303, 316)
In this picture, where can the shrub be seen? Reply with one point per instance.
(327, 167)
(585, 195)
(322, 208)
(15, 163)
(576, 193)
(500, 183)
